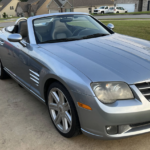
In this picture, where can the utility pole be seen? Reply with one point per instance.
(73, 5)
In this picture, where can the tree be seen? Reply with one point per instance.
(4, 15)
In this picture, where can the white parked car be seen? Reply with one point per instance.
(101, 10)
(117, 10)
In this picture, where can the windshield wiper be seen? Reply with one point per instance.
(94, 35)
(61, 40)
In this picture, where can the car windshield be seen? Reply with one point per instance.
(111, 8)
(67, 28)
(102, 7)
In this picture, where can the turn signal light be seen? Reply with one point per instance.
(84, 106)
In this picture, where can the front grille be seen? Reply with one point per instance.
(145, 89)
(95, 10)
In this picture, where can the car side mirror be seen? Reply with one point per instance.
(111, 26)
(15, 38)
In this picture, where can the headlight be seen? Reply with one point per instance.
(109, 92)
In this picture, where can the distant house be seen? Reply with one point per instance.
(134, 5)
(86, 6)
(38, 7)
(30, 8)
(89, 5)
(8, 7)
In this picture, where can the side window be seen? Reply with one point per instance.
(122, 8)
(11, 7)
(106, 7)
(43, 29)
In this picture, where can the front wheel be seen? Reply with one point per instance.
(62, 111)
(102, 12)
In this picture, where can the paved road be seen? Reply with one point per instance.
(25, 124)
(123, 16)
(6, 24)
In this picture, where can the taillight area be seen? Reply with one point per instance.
(114, 9)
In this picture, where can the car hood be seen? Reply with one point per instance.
(111, 58)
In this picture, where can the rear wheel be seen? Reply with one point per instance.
(3, 74)
(118, 12)
(62, 111)
(125, 11)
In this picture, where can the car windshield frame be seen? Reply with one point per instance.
(72, 39)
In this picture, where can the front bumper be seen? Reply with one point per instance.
(121, 113)
(96, 12)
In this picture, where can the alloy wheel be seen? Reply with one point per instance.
(60, 110)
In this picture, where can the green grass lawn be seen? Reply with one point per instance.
(136, 28)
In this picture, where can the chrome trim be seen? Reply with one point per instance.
(146, 94)
(18, 20)
(144, 88)
(14, 37)
(91, 133)
(147, 81)
(34, 77)
(7, 70)
(37, 96)
(35, 73)
(34, 80)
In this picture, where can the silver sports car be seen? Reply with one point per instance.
(93, 80)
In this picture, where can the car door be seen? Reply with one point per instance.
(118, 9)
(122, 10)
(21, 62)
(111, 10)
(15, 59)
(18, 59)
(106, 10)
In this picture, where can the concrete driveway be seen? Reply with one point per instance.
(25, 125)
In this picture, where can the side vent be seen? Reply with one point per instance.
(34, 77)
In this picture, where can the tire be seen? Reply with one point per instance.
(62, 111)
(117, 12)
(3, 74)
(102, 12)
(126, 12)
